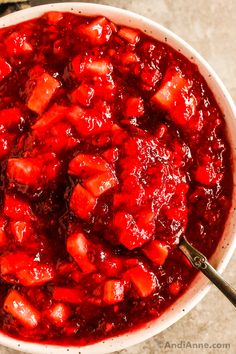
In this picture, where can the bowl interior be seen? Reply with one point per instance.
(225, 249)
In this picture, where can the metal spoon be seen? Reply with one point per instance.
(199, 261)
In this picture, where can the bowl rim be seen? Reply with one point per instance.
(200, 283)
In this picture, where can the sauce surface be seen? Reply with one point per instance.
(112, 147)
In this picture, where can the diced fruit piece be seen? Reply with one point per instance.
(134, 107)
(99, 67)
(145, 217)
(12, 262)
(113, 292)
(36, 275)
(3, 236)
(128, 231)
(105, 89)
(76, 115)
(21, 230)
(10, 118)
(146, 220)
(20, 308)
(184, 112)
(91, 66)
(129, 58)
(101, 183)
(52, 116)
(170, 89)
(174, 288)
(58, 314)
(110, 265)
(82, 202)
(6, 141)
(24, 170)
(50, 167)
(175, 96)
(96, 32)
(17, 209)
(70, 295)
(144, 281)
(17, 44)
(54, 17)
(78, 247)
(60, 137)
(129, 34)
(93, 121)
(150, 76)
(111, 155)
(45, 88)
(156, 251)
(87, 165)
(5, 69)
(82, 95)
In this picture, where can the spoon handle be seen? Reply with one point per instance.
(199, 261)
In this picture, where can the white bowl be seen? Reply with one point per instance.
(226, 246)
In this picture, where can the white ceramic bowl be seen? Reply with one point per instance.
(226, 247)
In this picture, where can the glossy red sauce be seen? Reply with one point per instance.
(112, 147)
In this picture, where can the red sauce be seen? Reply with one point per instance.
(112, 147)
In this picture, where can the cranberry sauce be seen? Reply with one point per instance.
(112, 147)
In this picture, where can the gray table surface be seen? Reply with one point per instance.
(209, 26)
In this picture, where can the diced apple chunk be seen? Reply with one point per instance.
(54, 17)
(78, 247)
(129, 34)
(91, 121)
(11, 263)
(36, 274)
(5, 69)
(156, 251)
(85, 164)
(58, 314)
(96, 32)
(82, 95)
(129, 58)
(24, 170)
(169, 91)
(70, 295)
(134, 107)
(111, 155)
(91, 66)
(21, 230)
(128, 231)
(113, 292)
(10, 118)
(17, 44)
(101, 183)
(82, 202)
(20, 308)
(17, 209)
(53, 115)
(6, 144)
(43, 92)
(3, 235)
(99, 67)
(144, 281)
